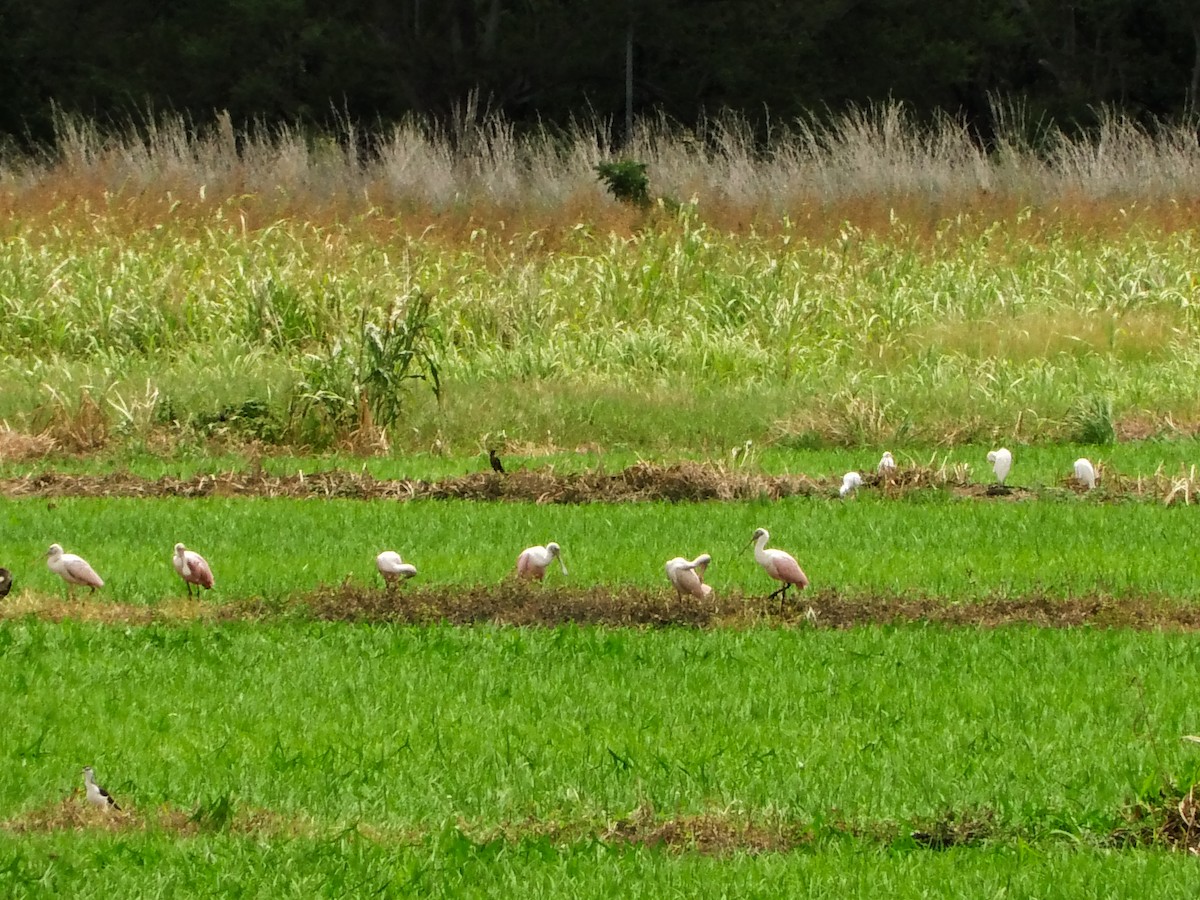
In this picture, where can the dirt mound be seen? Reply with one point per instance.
(683, 482)
(513, 603)
(516, 603)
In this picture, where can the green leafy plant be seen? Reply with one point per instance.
(626, 180)
(361, 380)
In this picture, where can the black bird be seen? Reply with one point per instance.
(5, 582)
(497, 466)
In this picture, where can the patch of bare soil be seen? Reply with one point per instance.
(683, 482)
(1172, 819)
(520, 604)
(514, 603)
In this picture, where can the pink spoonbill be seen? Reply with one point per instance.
(193, 569)
(393, 568)
(687, 576)
(72, 569)
(779, 565)
(533, 561)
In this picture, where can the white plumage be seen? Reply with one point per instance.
(851, 482)
(393, 568)
(1085, 472)
(533, 561)
(96, 795)
(887, 463)
(1001, 461)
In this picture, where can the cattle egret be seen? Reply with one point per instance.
(72, 569)
(887, 463)
(851, 482)
(96, 795)
(533, 561)
(1085, 473)
(1001, 461)
(193, 569)
(393, 568)
(779, 565)
(687, 576)
(497, 466)
(5, 582)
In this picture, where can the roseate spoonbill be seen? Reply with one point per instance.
(393, 568)
(72, 569)
(96, 795)
(193, 569)
(1001, 461)
(887, 463)
(1085, 472)
(687, 576)
(5, 582)
(779, 565)
(533, 561)
(497, 466)
(851, 482)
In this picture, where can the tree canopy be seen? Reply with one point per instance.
(551, 60)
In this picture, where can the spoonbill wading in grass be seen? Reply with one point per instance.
(851, 482)
(533, 561)
(193, 569)
(1001, 461)
(779, 565)
(72, 569)
(5, 582)
(1085, 472)
(96, 795)
(687, 576)
(393, 568)
(887, 464)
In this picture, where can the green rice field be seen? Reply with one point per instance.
(985, 690)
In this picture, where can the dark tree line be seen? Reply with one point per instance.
(305, 61)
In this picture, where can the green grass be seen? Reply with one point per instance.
(930, 546)
(393, 727)
(679, 337)
(100, 865)
(1035, 465)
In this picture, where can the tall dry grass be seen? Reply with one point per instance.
(866, 167)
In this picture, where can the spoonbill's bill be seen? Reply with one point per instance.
(393, 568)
(887, 463)
(5, 582)
(851, 482)
(1085, 472)
(533, 561)
(687, 576)
(96, 795)
(193, 569)
(779, 565)
(1001, 461)
(72, 569)
(497, 466)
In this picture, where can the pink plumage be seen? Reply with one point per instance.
(779, 565)
(192, 568)
(72, 569)
(533, 561)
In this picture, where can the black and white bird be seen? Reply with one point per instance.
(497, 466)
(5, 582)
(96, 795)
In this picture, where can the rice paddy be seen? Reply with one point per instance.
(983, 691)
